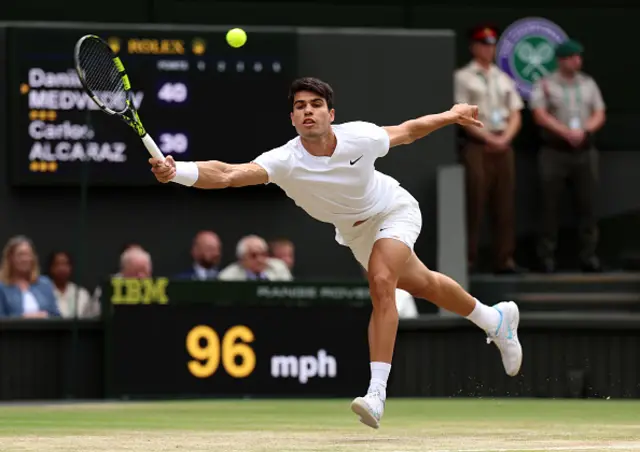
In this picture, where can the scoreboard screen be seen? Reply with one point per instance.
(199, 98)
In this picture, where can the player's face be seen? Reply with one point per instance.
(311, 116)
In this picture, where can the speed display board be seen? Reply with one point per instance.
(198, 98)
(172, 339)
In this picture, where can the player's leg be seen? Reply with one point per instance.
(500, 322)
(386, 262)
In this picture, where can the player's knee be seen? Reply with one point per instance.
(382, 286)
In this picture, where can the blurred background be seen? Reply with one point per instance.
(115, 286)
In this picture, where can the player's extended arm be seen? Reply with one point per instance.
(414, 129)
(216, 174)
(210, 174)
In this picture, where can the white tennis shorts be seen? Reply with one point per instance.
(402, 221)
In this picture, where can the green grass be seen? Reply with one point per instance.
(323, 425)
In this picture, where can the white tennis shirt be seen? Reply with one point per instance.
(340, 189)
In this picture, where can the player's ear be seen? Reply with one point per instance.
(291, 116)
(332, 114)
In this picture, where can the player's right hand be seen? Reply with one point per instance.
(165, 170)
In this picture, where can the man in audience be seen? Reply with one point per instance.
(284, 250)
(254, 263)
(135, 263)
(206, 252)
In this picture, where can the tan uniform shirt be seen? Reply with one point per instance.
(571, 102)
(493, 91)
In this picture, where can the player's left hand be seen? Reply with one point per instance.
(466, 115)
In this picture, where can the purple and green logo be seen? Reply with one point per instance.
(525, 51)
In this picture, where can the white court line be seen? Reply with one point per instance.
(602, 447)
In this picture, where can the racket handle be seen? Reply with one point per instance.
(152, 147)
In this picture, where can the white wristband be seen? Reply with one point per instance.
(186, 173)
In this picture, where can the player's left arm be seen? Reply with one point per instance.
(414, 129)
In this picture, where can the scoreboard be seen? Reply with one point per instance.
(198, 98)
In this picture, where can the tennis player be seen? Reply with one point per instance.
(328, 171)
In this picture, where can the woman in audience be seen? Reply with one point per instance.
(73, 300)
(23, 291)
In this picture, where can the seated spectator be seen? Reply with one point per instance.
(254, 263)
(284, 250)
(206, 253)
(23, 291)
(135, 262)
(73, 300)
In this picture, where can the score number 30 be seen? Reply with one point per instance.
(203, 345)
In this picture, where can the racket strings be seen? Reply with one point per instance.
(101, 74)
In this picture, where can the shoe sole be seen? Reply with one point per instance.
(514, 328)
(359, 407)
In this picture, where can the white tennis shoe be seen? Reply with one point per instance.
(370, 408)
(506, 337)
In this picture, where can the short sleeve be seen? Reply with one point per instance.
(537, 99)
(598, 101)
(376, 137)
(276, 163)
(460, 90)
(515, 100)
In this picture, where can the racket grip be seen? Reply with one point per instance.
(152, 147)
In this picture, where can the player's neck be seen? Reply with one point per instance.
(323, 146)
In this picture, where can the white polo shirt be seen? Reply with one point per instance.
(340, 189)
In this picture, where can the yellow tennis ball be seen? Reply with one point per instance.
(236, 37)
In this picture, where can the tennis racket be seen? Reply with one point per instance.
(105, 80)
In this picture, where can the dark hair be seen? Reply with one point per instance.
(54, 254)
(314, 85)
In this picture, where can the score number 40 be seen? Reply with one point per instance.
(207, 356)
(173, 92)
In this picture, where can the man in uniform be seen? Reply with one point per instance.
(569, 108)
(487, 153)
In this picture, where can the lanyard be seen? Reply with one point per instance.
(490, 92)
(577, 97)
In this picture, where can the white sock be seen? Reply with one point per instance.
(379, 376)
(485, 316)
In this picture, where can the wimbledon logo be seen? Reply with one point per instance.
(525, 51)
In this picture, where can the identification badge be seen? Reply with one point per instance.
(496, 117)
(575, 123)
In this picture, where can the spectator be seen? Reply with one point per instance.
(135, 262)
(487, 153)
(284, 250)
(254, 263)
(73, 300)
(569, 108)
(206, 252)
(23, 291)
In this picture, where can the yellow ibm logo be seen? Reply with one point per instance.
(139, 291)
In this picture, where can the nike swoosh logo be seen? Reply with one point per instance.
(383, 229)
(353, 162)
